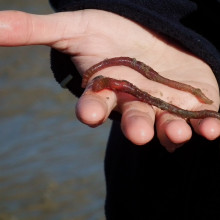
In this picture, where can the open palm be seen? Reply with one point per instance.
(90, 36)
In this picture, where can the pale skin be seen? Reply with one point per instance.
(89, 37)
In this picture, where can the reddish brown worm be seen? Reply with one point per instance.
(146, 71)
(100, 83)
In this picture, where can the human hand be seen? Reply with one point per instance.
(90, 36)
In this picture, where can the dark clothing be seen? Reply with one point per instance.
(148, 182)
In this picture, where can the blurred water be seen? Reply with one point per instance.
(48, 169)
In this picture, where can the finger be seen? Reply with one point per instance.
(137, 122)
(94, 108)
(208, 127)
(20, 28)
(172, 131)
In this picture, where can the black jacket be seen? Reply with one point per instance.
(148, 182)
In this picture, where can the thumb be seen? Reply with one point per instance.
(20, 28)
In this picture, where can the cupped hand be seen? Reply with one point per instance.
(90, 36)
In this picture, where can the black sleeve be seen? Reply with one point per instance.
(191, 24)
